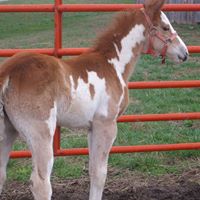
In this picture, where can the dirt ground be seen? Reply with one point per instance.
(126, 186)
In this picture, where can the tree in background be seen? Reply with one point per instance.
(182, 17)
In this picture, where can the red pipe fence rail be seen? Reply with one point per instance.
(58, 8)
(90, 7)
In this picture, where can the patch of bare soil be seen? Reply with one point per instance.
(124, 186)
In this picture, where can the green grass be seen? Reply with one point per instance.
(69, 167)
(32, 30)
(19, 170)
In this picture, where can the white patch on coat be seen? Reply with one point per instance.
(134, 37)
(83, 106)
(63, 71)
(100, 92)
(51, 122)
(166, 21)
(98, 180)
(123, 84)
(72, 85)
(50, 166)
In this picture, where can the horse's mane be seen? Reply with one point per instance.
(120, 25)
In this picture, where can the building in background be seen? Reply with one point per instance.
(182, 17)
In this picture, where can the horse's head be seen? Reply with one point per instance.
(162, 39)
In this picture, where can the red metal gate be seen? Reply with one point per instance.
(58, 8)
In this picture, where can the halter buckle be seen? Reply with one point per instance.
(153, 31)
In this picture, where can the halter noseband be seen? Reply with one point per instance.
(154, 32)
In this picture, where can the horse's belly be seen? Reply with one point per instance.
(79, 114)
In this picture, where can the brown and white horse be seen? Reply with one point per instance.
(39, 92)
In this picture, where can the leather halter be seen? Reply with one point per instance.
(154, 32)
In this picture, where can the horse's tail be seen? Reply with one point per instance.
(6, 69)
(3, 86)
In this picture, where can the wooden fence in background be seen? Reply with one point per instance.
(182, 17)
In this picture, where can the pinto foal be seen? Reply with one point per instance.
(39, 92)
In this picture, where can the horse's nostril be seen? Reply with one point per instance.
(183, 58)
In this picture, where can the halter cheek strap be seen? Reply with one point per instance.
(155, 33)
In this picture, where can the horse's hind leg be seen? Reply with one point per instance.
(40, 141)
(7, 136)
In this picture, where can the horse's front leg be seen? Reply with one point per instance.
(101, 138)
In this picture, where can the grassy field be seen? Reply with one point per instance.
(35, 30)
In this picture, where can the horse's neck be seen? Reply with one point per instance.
(122, 43)
(126, 56)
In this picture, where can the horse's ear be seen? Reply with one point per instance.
(153, 6)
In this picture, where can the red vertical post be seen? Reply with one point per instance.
(57, 46)
(58, 28)
(56, 144)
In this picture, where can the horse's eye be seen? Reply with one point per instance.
(165, 28)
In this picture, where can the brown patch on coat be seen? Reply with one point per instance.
(92, 91)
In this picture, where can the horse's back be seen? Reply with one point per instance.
(31, 68)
